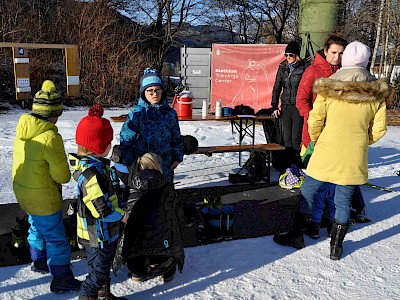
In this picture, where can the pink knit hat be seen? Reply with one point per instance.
(356, 54)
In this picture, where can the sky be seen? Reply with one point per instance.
(247, 268)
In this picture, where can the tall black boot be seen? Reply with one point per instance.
(105, 293)
(337, 236)
(294, 237)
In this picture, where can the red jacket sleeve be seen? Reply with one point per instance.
(304, 92)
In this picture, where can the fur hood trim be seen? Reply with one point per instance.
(352, 91)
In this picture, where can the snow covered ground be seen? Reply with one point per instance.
(249, 268)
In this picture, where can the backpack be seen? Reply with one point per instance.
(242, 110)
(292, 178)
(256, 165)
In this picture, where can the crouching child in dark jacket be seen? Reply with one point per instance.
(152, 243)
(99, 216)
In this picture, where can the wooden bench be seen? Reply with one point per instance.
(239, 148)
(266, 148)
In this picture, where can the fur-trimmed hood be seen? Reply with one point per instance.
(352, 91)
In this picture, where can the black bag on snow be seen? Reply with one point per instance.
(256, 167)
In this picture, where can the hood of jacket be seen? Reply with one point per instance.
(81, 163)
(29, 127)
(146, 180)
(353, 74)
(352, 91)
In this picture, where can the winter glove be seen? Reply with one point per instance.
(307, 155)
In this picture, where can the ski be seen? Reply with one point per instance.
(379, 187)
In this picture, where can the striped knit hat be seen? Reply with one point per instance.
(47, 102)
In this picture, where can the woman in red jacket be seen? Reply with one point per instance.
(326, 62)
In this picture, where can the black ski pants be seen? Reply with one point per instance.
(292, 124)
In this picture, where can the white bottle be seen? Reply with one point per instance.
(204, 109)
(218, 108)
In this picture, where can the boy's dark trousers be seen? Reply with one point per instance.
(99, 261)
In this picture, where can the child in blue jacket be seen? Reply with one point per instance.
(99, 216)
(152, 126)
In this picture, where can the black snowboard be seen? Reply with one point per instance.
(259, 209)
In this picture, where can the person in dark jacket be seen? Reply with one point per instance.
(287, 81)
(152, 243)
(152, 126)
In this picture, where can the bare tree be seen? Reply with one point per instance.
(10, 15)
(378, 35)
(162, 22)
(280, 18)
(255, 21)
(394, 45)
(240, 19)
(108, 43)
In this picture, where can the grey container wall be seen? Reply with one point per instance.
(195, 72)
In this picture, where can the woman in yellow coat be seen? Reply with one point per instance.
(348, 115)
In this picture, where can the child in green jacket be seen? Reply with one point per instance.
(39, 168)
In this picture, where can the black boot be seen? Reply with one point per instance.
(313, 230)
(337, 236)
(294, 238)
(105, 293)
(63, 279)
(329, 227)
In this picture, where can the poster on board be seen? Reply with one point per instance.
(244, 74)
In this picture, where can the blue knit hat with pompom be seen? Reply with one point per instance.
(149, 78)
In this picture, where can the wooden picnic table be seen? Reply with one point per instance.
(244, 125)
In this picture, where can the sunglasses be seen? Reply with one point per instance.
(290, 55)
(157, 91)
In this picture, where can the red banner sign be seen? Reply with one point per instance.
(244, 74)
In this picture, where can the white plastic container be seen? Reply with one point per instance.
(204, 109)
(218, 108)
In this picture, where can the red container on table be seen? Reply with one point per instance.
(184, 104)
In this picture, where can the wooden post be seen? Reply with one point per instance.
(21, 67)
(72, 70)
(21, 73)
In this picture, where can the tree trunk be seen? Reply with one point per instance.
(378, 35)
